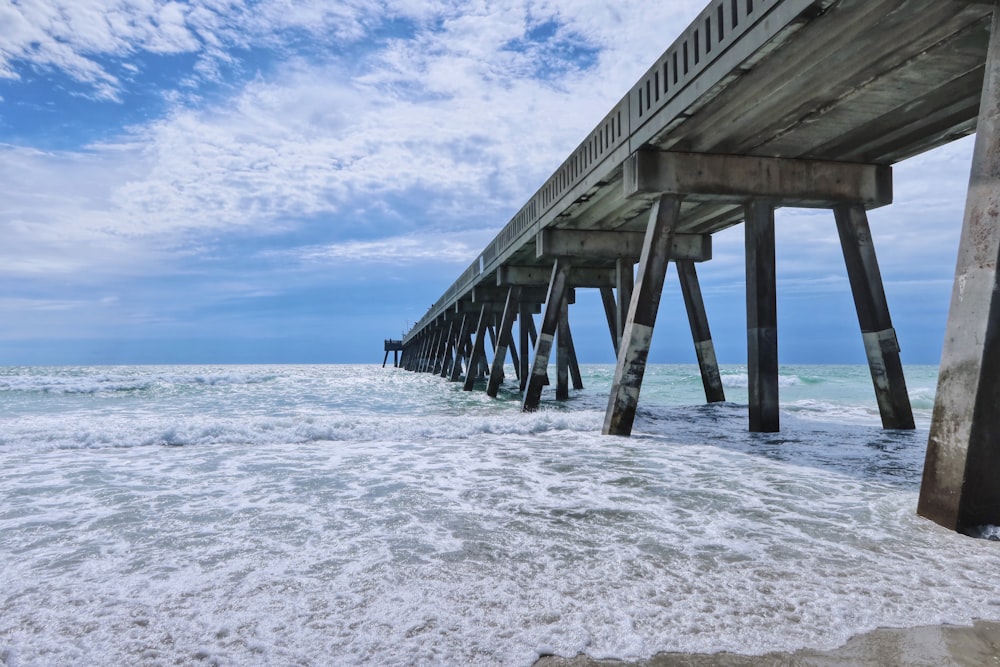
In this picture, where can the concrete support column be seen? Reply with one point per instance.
(478, 350)
(762, 317)
(432, 351)
(574, 363)
(515, 358)
(460, 348)
(610, 313)
(494, 341)
(550, 321)
(873, 315)
(449, 345)
(429, 358)
(522, 330)
(534, 341)
(504, 339)
(422, 355)
(960, 488)
(700, 332)
(562, 354)
(437, 350)
(638, 331)
(624, 283)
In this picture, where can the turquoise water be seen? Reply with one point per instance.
(354, 515)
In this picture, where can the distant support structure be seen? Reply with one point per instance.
(394, 346)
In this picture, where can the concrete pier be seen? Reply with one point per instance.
(960, 488)
(771, 112)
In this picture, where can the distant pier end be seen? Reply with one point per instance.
(756, 105)
(394, 346)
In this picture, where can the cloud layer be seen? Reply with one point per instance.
(245, 147)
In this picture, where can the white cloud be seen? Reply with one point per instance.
(447, 128)
(451, 116)
(440, 249)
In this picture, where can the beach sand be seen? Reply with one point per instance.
(933, 646)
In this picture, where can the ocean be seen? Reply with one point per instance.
(354, 515)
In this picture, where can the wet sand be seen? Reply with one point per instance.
(933, 646)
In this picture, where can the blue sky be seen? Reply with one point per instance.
(235, 181)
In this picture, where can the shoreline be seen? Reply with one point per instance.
(934, 645)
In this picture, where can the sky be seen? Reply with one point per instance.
(292, 181)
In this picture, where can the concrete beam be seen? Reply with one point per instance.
(551, 243)
(740, 178)
(538, 276)
(496, 297)
(468, 308)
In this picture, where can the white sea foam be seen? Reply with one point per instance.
(742, 380)
(361, 516)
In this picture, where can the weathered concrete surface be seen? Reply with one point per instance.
(881, 345)
(562, 354)
(700, 332)
(503, 340)
(617, 245)
(558, 287)
(478, 353)
(736, 178)
(638, 331)
(762, 318)
(960, 488)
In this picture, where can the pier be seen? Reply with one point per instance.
(758, 104)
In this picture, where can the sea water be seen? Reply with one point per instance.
(347, 515)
